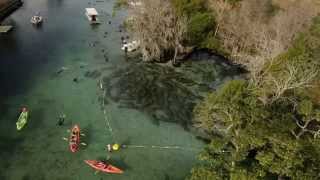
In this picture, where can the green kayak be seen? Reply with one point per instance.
(23, 118)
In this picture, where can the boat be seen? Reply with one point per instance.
(137, 3)
(36, 20)
(23, 118)
(92, 14)
(132, 46)
(74, 140)
(104, 167)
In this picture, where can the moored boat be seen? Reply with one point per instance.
(131, 46)
(92, 15)
(104, 167)
(36, 20)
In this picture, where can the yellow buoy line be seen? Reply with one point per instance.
(162, 147)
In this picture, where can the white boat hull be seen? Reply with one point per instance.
(90, 19)
(132, 46)
(36, 20)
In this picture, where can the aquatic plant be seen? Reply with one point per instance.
(165, 93)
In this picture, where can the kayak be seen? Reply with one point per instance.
(23, 118)
(101, 166)
(74, 140)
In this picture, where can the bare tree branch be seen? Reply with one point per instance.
(158, 29)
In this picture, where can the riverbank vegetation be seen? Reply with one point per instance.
(267, 125)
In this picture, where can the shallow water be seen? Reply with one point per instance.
(30, 59)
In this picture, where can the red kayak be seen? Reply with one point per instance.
(74, 140)
(101, 166)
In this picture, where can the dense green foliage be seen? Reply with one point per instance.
(304, 56)
(199, 27)
(254, 140)
(201, 22)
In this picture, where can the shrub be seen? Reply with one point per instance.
(199, 27)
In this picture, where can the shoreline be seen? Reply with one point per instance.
(7, 7)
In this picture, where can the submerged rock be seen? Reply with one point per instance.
(92, 74)
(76, 80)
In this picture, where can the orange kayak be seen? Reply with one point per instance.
(74, 140)
(101, 166)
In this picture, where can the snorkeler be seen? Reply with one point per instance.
(61, 119)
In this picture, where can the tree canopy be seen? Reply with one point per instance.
(269, 129)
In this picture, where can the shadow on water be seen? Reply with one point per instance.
(120, 162)
(17, 66)
(9, 144)
(35, 119)
(116, 161)
(4, 108)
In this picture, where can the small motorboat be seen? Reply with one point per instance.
(130, 47)
(104, 167)
(92, 14)
(74, 140)
(23, 118)
(36, 20)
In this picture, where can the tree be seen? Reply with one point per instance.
(251, 140)
(157, 27)
(256, 31)
(296, 69)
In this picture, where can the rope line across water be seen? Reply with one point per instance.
(161, 147)
(105, 112)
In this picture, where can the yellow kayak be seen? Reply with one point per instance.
(23, 118)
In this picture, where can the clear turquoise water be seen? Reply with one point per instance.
(30, 58)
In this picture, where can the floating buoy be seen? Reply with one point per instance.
(115, 147)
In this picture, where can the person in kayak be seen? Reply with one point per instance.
(61, 119)
(73, 136)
